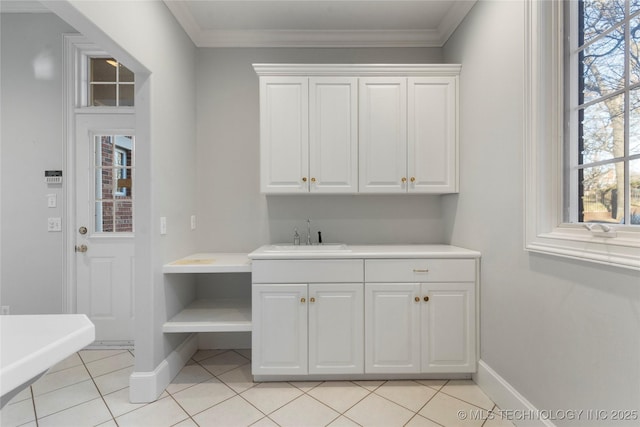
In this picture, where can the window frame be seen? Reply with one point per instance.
(574, 165)
(544, 151)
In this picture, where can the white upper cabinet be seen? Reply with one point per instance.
(383, 134)
(432, 135)
(284, 134)
(358, 128)
(333, 134)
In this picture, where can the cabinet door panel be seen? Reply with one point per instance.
(448, 320)
(336, 329)
(284, 134)
(392, 336)
(383, 134)
(333, 135)
(432, 124)
(279, 336)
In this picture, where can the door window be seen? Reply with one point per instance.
(113, 174)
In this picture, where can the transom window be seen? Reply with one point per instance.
(111, 84)
(603, 103)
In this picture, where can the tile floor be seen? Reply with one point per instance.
(215, 388)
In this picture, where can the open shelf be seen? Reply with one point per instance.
(208, 315)
(210, 263)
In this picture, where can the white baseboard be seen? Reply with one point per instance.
(145, 387)
(515, 406)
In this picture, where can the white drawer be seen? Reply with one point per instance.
(307, 271)
(420, 270)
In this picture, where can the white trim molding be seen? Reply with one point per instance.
(146, 387)
(545, 231)
(508, 399)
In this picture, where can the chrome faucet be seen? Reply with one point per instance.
(308, 231)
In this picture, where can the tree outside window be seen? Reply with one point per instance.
(608, 112)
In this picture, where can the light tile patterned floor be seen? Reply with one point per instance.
(91, 388)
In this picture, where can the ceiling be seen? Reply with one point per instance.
(319, 23)
(310, 23)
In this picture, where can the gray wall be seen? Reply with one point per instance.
(31, 272)
(234, 216)
(564, 333)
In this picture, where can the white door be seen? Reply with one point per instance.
(336, 328)
(104, 224)
(432, 116)
(383, 135)
(279, 336)
(448, 327)
(392, 336)
(333, 134)
(284, 134)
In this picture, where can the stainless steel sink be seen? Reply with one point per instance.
(328, 247)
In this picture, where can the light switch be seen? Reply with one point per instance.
(52, 201)
(163, 225)
(54, 224)
(193, 222)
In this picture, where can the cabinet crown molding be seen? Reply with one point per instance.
(357, 69)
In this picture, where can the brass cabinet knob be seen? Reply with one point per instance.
(404, 179)
(304, 179)
(417, 299)
(312, 299)
(426, 298)
(303, 300)
(413, 179)
(313, 180)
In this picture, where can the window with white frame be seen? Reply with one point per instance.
(603, 112)
(582, 130)
(111, 84)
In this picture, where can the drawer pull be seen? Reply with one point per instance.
(416, 270)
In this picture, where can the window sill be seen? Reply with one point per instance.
(573, 242)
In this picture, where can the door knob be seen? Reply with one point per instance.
(82, 248)
(82, 230)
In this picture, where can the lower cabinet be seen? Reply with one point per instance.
(420, 327)
(308, 329)
(368, 317)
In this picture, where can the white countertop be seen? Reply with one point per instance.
(210, 263)
(31, 344)
(371, 251)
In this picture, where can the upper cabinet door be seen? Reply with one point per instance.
(383, 135)
(333, 134)
(432, 134)
(284, 134)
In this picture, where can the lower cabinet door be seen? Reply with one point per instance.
(448, 327)
(279, 336)
(392, 336)
(336, 328)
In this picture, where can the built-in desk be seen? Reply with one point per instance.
(211, 315)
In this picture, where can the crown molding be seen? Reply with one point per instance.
(319, 38)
